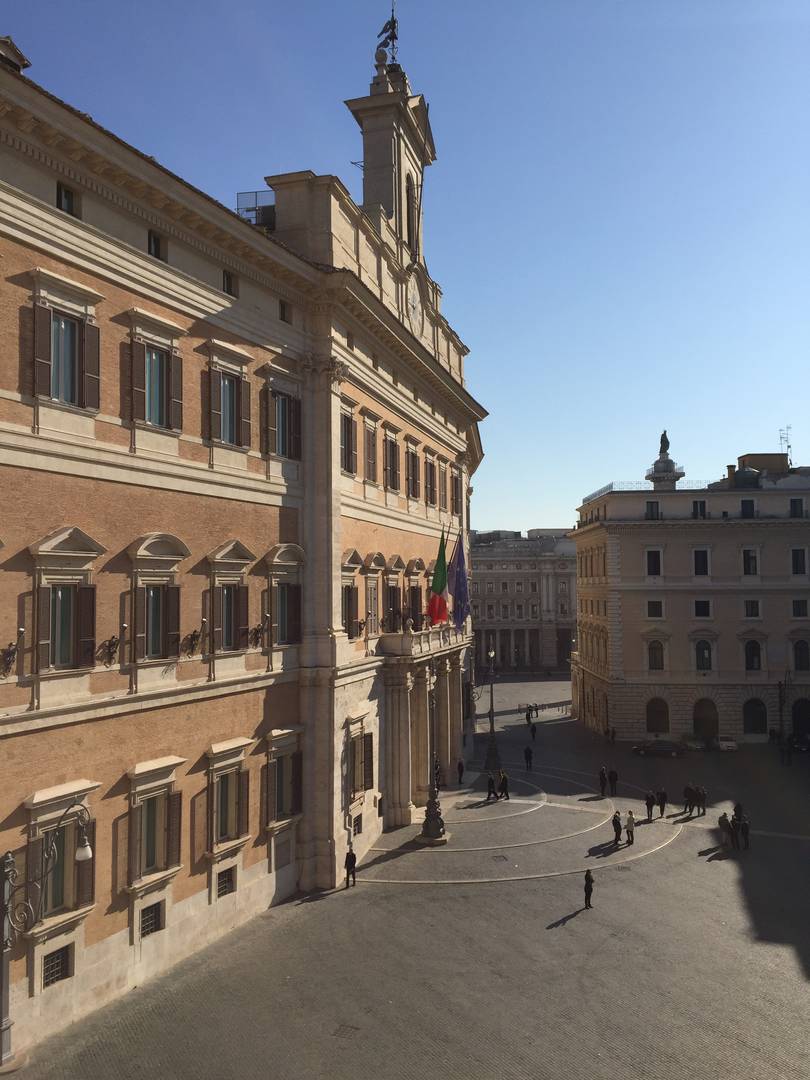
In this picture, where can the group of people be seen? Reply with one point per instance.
(629, 827)
(738, 828)
(608, 778)
(502, 789)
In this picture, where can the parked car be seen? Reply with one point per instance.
(724, 742)
(659, 748)
(695, 744)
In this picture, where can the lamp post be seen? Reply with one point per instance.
(433, 825)
(492, 762)
(19, 912)
(783, 688)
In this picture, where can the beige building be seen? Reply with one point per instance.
(228, 450)
(692, 603)
(523, 597)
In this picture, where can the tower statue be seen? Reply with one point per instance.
(664, 448)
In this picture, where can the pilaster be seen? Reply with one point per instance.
(420, 712)
(398, 805)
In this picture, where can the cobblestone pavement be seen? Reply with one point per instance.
(692, 964)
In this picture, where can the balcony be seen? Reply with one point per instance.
(421, 642)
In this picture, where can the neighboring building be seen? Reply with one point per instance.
(693, 603)
(229, 449)
(523, 596)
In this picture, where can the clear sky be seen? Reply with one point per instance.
(618, 215)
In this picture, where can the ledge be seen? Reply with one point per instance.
(274, 827)
(151, 882)
(229, 847)
(57, 924)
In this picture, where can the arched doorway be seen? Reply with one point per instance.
(657, 716)
(801, 716)
(755, 717)
(705, 722)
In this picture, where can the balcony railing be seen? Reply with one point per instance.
(420, 642)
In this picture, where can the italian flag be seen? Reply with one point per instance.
(437, 605)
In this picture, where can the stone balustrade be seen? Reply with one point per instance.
(421, 643)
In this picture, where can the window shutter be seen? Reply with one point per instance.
(34, 852)
(138, 379)
(174, 820)
(216, 619)
(368, 761)
(270, 792)
(86, 626)
(387, 463)
(43, 627)
(135, 825)
(86, 872)
(267, 399)
(215, 404)
(415, 475)
(90, 367)
(244, 410)
(244, 803)
(295, 428)
(42, 350)
(442, 487)
(354, 448)
(408, 473)
(140, 623)
(354, 629)
(397, 607)
(297, 770)
(213, 812)
(243, 622)
(172, 616)
(273, 615)
(344, 423)
(176, 392)
(293, 614)
(395, 466)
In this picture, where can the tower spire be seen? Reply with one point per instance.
(389, 34)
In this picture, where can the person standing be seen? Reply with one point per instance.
(528, 716)
(661, 799)
(630, 827)
(503, 787)
(688, 799)
(491, 792)
(613, 779)
(702, 798)
(527, 757)
(603, 780)
(588, 888)
(534, 732)
(350, 864)
(616, 821)
(725, 829)
(649, 802)
(460, 768)
(745, 829)
(738, 810)
(735, 833)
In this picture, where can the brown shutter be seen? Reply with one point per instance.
(174, 820)
(216, 619)
(295, 428)
(243, 810)
(244, 408)
(387, 446)
(267, 403)
(442, 487)
(176, 392)
(416, 475)
(42, 350)
(43, 627)
(368, 761)
(215, 404)
(138, 377)
(135, 827)
(297, 770)
(172, 620)
(408, 473)
(354, 629)
(90, 367)
(344, 424)
(395, 466)
(293, 614)
(86, 872)
(270, 792)
(213, 812)
(243, 623)
(140, 623)
(273, 628)
(354, 448)
(34, 852)
(86, 626)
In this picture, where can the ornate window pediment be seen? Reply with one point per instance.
(232, 555)
(375, 560)
(414, 567)
(67, 548)
(395, 564)
(351, 560)
(284, 558)
(157, 551)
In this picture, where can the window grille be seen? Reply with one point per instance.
(56, 966)
(226, 883)
(151, 919)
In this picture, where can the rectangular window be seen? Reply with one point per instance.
(651, 512)
(533, 587)
(349, 611)
(797, 508)
(490, 587)
(504, 611)
(490, 611)
(534, 611)
(746, 508)
(155, 646)
(67, 200)
(703, 609)
(230, 629)
(751, 609)
(701, 557)
(226, 882)
(56, 966)
(229, 432)
(519, 586)
(430, 482)
(750, 562)
(54, 885)
(150, 859)
(157, 384)
(372, 606)
(350, 341)
(156, 246)
(442, 487)
(655, 609)
(391, 464)
(227, 784)
(371, 455)
(357, 825)
(284, 437)
(64, 359)
(504, 586)
(519, 611)
(799, 609)
(798, 561)
(698, 508)
(151, 919)
(653, 563)
(230, 283)
(63, 617)
(284, 311)
(348, 443)
(455, 493)
(288, 613)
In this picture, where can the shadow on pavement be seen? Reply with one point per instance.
(564, 919)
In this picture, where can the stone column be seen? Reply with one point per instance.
(420, 712)
(398, 805)
(443, 718)
(456, 712)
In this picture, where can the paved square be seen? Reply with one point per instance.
(692, 963)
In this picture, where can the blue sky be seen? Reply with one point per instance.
(618, 215)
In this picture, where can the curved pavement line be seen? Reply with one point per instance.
(536, 805)
(524, 877)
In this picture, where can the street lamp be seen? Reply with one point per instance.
(433, 825)
(18, 914)
(492, 762)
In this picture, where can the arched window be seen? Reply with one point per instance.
(657, 716)
(655, 656)
(703, 655)
(753, 656)
(755, 717)
(801, 656)
(410, 213)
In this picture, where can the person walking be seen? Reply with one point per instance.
(702, 798)
(460, 769)
(661, 799)
(603, 780)
(350, 864)
(527, 757)
(688, 799)
(491, 791)
(503, 787)
(630, 827)
(745, 829)
(534, 731)
(725, 829)
(588, 888)
(616, 821)
(528, 716)
(735, 833)
(613, 779)
(649, 802)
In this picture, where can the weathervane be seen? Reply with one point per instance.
(390, 35)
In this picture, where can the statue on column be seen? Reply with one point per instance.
(664, 447)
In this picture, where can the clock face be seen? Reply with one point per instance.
(416, 316)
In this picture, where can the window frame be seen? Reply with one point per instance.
(702, 600)
(696, 551)
(658, 601)
(648, 551)
(750, 556)
(802, 551)
(157, 246)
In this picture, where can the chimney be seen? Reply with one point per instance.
(11, 57)
(731, 469)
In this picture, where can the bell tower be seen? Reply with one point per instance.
(397, 145)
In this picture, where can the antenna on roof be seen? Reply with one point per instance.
(784, 443)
